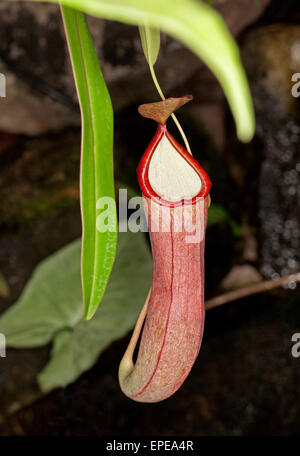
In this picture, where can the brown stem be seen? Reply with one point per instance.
(250, 290)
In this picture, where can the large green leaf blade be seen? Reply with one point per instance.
(201, 29)
(50, 308)
(50, 301)
(96, 175)
(76, 349)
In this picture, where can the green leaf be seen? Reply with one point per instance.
(201, 29)
(51, 300)
(50, 308)
(150, 38)
(96, 175)
(76, 350)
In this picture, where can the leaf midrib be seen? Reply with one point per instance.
(94, 153)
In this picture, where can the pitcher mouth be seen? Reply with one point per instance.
(143, 171)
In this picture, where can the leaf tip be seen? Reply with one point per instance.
(245, 134)
(89, 313)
